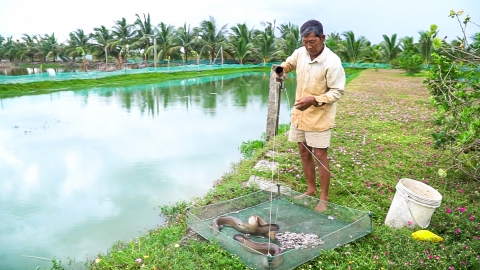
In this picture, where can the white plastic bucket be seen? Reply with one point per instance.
(413, 204)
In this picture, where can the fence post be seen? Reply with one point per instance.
(273, 105)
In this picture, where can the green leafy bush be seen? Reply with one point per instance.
(410, 61)
(454, 83)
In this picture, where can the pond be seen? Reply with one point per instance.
(8, 71)
(80, 170)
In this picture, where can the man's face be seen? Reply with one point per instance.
(313, 44)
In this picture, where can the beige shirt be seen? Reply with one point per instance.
(324, 79)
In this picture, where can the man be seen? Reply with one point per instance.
(320, 84)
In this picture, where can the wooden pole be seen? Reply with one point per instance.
(273, 105)
(155, 52)
(106, 58)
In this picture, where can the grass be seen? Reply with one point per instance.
(383, 132)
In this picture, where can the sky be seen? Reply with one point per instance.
(368, 18)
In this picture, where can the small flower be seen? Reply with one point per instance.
(442, 173)
(457, 231)
(451, 268)
(138, 260)
(347, 253)
(472, 218)
(460, 191)
(463, 209)
(449, 210)
(177, 245)
(475, 237)
(376, 257)
(409, 222)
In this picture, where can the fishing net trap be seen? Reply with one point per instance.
(296, 233)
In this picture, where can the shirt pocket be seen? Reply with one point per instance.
(318, 88)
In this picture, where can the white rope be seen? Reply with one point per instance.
(272, 170)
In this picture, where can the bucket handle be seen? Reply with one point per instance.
(411, 214)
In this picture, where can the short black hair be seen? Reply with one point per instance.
(311, 26)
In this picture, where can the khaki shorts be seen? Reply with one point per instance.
(315, 139)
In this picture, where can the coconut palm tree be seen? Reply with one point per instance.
(407, 44)
(186, 37)
(390, 47)
(290, 38)
(241, 41)
(211, 37)
(425, 44)
(374, 54)
(101, 37)
(145, 33)
(242, 49)
(333, 40)
(265, 41)
(29, 47)
(10, 48)
(166, 38)
(49, 47)
(78, 39)
(351, 49)
(122, 37)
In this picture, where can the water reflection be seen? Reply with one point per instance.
(16, 71)
(235, 90)
(83, 169)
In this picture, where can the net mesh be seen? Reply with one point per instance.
(52, 75)
(336, 226)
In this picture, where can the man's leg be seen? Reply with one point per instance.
(308, 167)
(323, 175)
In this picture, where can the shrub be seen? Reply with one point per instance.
(410, 61)
(454, 83)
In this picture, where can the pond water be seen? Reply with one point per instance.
(82, 169)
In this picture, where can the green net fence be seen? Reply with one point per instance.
(296, 219)
(59, 76)
(51, 75)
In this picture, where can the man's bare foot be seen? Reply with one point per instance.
(321, 207)
(304, 195)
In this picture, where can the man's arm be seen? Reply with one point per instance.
(336, 86)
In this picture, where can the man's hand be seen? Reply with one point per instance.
(303, 103)
(280, 76)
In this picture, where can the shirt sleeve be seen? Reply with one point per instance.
(335, 84)
(291, 62)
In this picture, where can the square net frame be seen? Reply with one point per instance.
(336, 226)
